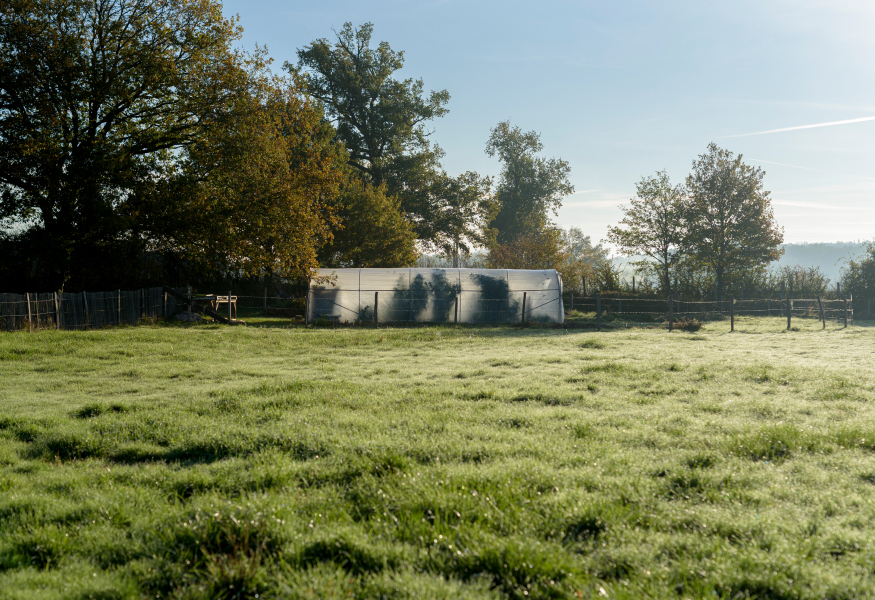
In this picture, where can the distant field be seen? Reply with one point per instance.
(276, 462)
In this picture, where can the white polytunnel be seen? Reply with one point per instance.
(436, 296)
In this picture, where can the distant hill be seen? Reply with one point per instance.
(829, 257)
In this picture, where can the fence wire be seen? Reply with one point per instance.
(85, 310)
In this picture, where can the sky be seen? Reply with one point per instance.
(623, 89)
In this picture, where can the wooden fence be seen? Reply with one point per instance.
(85, 310)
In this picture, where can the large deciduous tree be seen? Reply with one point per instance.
(381, 119)
(529, 187)
(96, 96)
(257, 194)
(371, 231)
(654, 225)
(729, 217)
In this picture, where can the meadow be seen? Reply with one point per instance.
(277, 461)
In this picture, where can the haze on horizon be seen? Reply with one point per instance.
(622, 90)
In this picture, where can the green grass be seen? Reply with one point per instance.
(276, 462)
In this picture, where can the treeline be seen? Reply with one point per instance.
(139, 146)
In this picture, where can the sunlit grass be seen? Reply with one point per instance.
(439, 462)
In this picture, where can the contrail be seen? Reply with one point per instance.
(768, 162)
(830, 124)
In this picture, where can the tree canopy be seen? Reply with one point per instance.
(529, 187)
(730, 223)
(130, 127)
(654, 225)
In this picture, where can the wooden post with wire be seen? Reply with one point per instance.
(731, 313)
(524, 309)
(822, 313)
(29, 314)
(598, 311)
(789, 313)
(376, 308)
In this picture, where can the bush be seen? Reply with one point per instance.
(685, 324)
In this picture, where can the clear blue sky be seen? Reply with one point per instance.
(623, 89)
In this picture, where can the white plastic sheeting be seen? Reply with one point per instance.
(437, 296)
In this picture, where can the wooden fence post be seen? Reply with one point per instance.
(307, 305)
(376, 308)
(524, 308)
(670, 313)
(85, 304)
(57, 311)
(822, 313)
(598, 311)
(229, 307)
(29, 314)
(731, 313)
(789, 313)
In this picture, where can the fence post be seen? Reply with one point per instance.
(189, 300)
(85, 304)
(229, 307)
(29, 315)
(376, 308)
(851, 307)
(822, 314)
(846, 313)
(670, 312)
(633, 284)
(598, 311)
(307, 305)
(583, 279)
(524, 308)
(789, 313)
(731, 313)
(620, 303)
(57, 311)
(164, 306)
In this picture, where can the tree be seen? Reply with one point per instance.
(256, 194)
(729, 217)
(380, 119)
(529, 188)
(371, 231)
(534, 250)
(858, 276)
(582, 259)
(653, 225)
(97, 97)
(461, 210)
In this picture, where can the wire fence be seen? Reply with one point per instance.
(665, 312)
(94, 310)
(85, 310)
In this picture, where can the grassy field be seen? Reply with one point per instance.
(274, 462)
